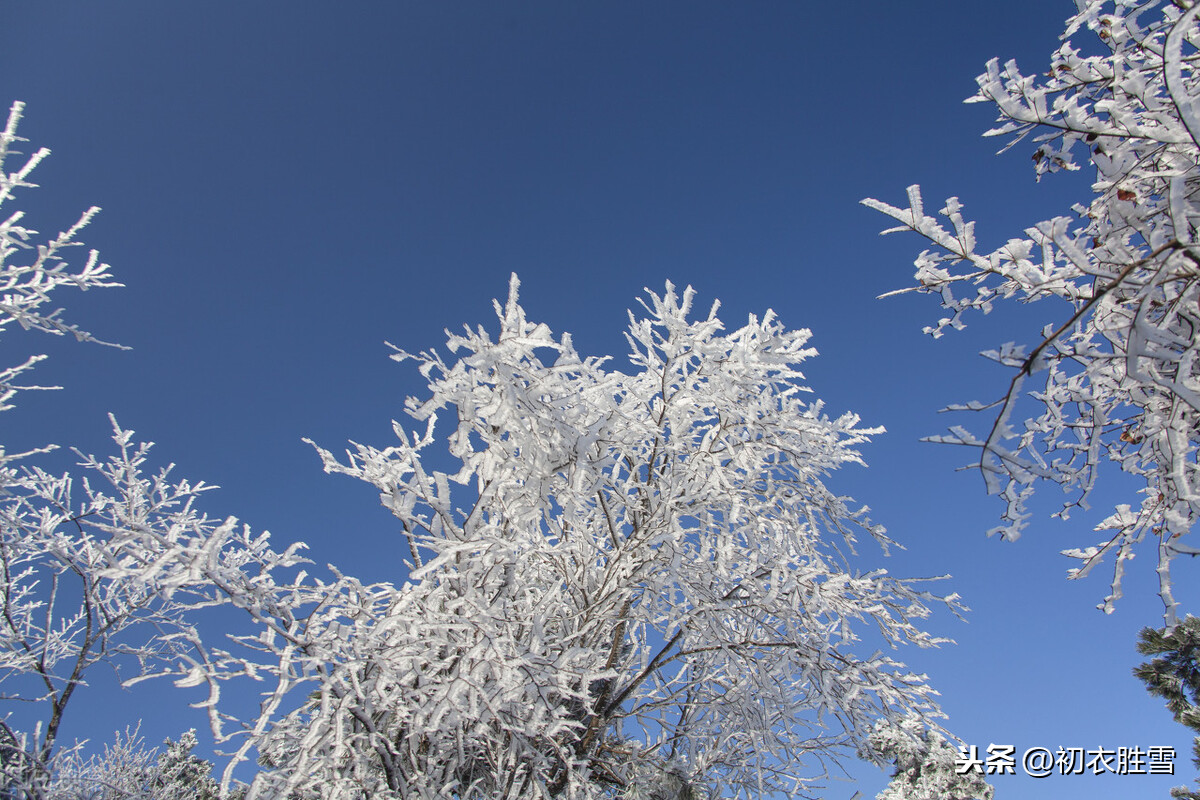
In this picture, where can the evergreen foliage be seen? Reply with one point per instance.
(1175, 676)
(127, 770)
(924, 765)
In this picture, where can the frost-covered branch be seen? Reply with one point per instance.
(1122, 377)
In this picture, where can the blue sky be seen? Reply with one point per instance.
(287, 185)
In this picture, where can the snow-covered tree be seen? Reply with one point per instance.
(621, 583)
(1120, 360)
(925, 766)
(127, 770)
(1175, 676)
(103, 570)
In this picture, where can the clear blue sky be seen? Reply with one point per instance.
(287, 185)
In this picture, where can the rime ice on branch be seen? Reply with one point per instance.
(1121, 381)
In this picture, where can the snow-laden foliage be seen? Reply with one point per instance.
(925, 764)
(625, 581)
(1121, 373)
(1175, 676)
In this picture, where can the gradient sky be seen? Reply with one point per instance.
(287, 185)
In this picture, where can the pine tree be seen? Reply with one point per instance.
(1175, 676)
(182, 773)
(128, 770)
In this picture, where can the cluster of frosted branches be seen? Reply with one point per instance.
(627, 575)
(1122, 376)
(115, 573)
(26, 283)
